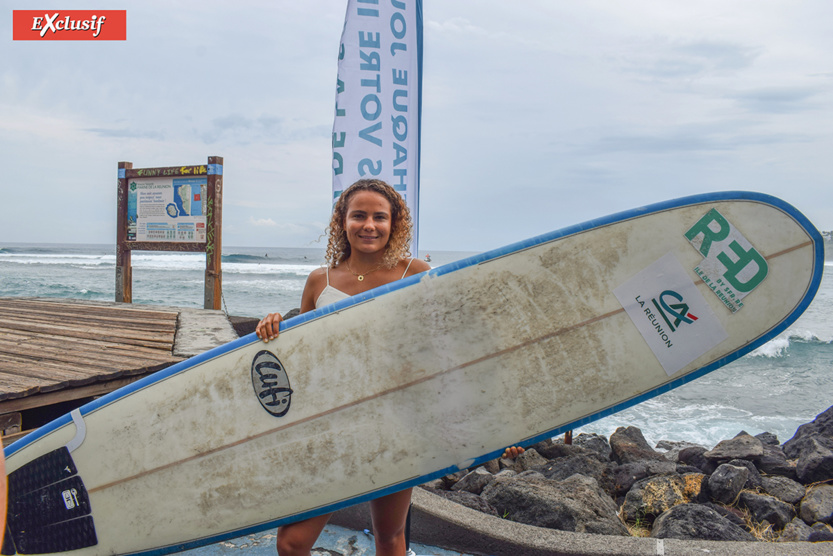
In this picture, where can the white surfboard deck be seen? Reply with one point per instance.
(413, 380)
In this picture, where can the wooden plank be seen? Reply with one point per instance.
(68, 328)
(85, 356)
(82, 310)
(65, 372)
(49, 370)
(20, 306)
(59, 350)
(14, 385)
(140, 311)
(191, 170)
(68, 331)
(76, 371)
(13, 337)
(69, 354)
(69, 394)
(165, 326)
(59, 322)
(38, 374)
(76, 305)
(29, 338)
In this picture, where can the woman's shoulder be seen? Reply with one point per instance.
(318, 275)
(316, 282)
(415, 266)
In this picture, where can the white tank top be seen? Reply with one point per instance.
(330, 295)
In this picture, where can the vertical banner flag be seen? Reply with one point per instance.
(378, 98)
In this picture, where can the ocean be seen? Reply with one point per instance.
(776, 388)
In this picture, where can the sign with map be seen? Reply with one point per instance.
(167, 209)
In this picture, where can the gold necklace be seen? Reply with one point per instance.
(360, 277)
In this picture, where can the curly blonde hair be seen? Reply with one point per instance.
(398, 247)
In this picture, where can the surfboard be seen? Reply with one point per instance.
(410, 381)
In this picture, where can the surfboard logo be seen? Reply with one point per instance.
(678, 311)
(271, 383)
(70, 498)
(671, 314)
(732, 267)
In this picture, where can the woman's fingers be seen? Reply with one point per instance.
(268, 328)
(512, 452)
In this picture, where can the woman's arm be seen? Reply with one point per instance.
(316, 282)
(269, 328)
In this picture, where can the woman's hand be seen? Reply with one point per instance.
(512, 452)
(267, 329)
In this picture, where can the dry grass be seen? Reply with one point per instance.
(640, 528)
(761, 531)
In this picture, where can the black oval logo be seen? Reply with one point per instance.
(271, 383)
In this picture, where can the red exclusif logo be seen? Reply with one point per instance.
(69, 25)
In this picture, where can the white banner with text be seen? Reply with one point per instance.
(376, 132)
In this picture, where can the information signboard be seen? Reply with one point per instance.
(166, 209)
(177, 208)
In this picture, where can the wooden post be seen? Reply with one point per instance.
(214, 235)
(124, 271)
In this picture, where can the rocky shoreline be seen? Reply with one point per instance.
(747, 488)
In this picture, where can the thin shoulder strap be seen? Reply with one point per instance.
(407, 267)
(328, 275)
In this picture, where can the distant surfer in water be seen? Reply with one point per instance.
(369, 238)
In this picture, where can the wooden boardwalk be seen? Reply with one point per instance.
(58, 351)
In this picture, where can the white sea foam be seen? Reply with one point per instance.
(774, 348)
(294, 269)
(57, 259)
(780, 346)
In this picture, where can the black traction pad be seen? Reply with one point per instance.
(49, 508)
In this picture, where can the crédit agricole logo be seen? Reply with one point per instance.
(673, 313)
(69, 25)
(670, 313)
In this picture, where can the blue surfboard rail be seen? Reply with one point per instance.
(798, 217)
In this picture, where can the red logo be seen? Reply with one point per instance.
(69, 25)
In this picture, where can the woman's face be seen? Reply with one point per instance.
(368, 221)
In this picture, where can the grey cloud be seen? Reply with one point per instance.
(720, 55)
(242, 130)
(689, 139)
(125, 133)
(777, 100)
(692, 59)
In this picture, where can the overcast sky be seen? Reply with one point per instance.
(536, 114)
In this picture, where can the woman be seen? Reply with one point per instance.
(369, 238)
